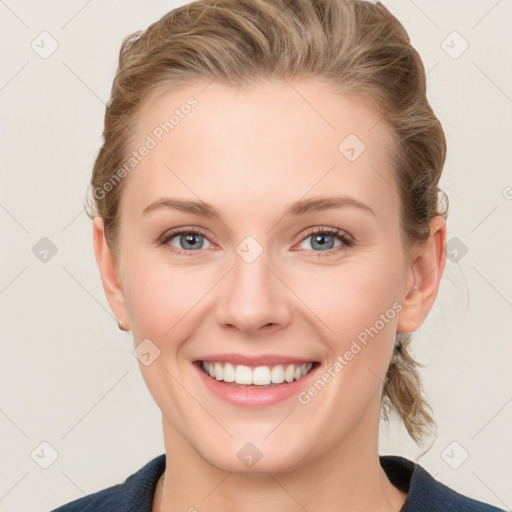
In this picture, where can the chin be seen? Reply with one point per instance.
(256, 457)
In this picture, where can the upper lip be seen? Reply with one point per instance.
(259, 360)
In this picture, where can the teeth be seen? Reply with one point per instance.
(277, 375)
(289, 373)
(229, 373)
(243, 374)
(260, 375)
(218, 370)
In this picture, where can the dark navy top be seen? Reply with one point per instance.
(425, 494)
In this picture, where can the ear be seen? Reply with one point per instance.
(428, 261)
(107, 265)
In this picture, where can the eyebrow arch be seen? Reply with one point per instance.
(300, 207)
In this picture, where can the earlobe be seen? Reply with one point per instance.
(427, 269)
(107, 265)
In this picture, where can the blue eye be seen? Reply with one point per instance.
(188, 240)
(322, 241)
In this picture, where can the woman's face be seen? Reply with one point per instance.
(254, 280)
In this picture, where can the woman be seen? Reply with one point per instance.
(267, 225)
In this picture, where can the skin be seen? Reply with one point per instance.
(251, 152)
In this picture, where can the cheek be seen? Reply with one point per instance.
(349, 298)
(159, 297)
(341, 300)
(163, 302)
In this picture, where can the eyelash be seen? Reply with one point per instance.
(336, 233)
(340, 235)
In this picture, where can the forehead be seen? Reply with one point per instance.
(270, 140)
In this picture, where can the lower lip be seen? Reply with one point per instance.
(254, 396)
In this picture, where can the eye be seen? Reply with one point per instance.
(323, 241)
(187, 240)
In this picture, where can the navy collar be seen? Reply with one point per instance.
(424, 493)
(139, 488)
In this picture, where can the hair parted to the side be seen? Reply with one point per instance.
(356, 46)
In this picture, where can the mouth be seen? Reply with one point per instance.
(259, 377)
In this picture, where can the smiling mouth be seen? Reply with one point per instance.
(243, 376)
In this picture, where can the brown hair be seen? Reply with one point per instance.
(356, 46)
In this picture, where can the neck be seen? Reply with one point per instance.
(347, 477)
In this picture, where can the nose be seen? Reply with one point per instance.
(254, 298)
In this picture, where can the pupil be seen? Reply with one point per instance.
(322, 240)
(191, 240)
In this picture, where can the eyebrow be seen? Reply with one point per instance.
(300, 207)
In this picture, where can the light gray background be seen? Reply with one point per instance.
(67, 374)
